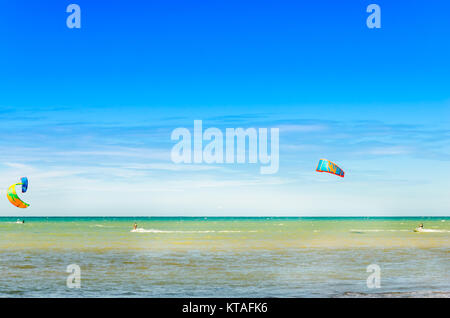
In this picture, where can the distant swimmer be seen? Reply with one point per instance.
(419, 229)
(135, 226)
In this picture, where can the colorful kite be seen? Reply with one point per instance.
(14, 198)
(330, 167)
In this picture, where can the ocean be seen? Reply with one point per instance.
(224, 257)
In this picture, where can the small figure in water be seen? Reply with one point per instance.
(419, 229)
(135, 226)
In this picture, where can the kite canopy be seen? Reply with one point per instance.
(12, 196)
(24, 181)
(330, 167)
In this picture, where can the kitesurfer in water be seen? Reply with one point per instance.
(135, 226)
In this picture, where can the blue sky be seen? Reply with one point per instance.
(87, 114)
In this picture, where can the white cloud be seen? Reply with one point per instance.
(302, 128)
(394, 150)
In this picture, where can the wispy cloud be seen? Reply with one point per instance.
(111, 158)
(387, 151)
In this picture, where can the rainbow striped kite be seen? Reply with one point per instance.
(12, 194)
(330, 167)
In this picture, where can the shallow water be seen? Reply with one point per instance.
(224, 257)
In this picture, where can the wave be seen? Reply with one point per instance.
(205, 231)
(378, 230)
(381, 230)
(431, 231)
(416, 294)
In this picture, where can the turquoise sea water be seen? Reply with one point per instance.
(225, 257)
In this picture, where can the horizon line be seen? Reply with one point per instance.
(206, 216)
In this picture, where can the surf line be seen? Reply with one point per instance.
(199, 308)
(213, 152)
